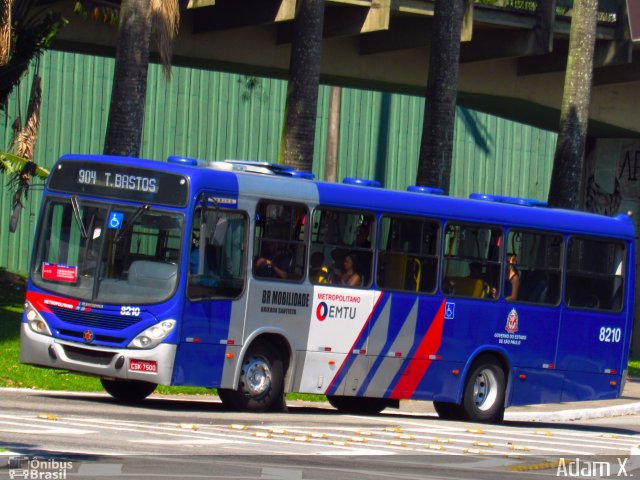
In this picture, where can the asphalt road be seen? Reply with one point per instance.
(69, 435)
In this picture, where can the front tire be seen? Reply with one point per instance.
(260, 387)
(128, 391)
(484, 391)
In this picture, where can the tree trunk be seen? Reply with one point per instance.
(126, 112)
(568, 162)
(333, 135)
(436, 146)
(298, 133)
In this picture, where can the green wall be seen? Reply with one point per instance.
(216, 116)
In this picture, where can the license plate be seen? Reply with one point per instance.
(146, 366)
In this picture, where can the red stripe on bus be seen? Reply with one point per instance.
(416, 369)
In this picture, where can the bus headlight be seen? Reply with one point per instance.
(35, 320)
(153, 335)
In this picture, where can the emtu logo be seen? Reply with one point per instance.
(322, 311)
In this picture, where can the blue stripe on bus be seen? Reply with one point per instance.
(427, 312)
(400, 309)
(337, 380)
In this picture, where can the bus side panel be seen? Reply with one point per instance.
(200, 359)
(593, 386)
(590, 350)
(531, 386)
(441, 382)
(400, 326)
(391, 336)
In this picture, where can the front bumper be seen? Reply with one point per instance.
(45, 351)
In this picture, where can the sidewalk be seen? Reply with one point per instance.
(628, 404)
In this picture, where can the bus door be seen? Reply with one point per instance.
(216, 278)
(591, 344)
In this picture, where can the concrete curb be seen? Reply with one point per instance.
(576, 414)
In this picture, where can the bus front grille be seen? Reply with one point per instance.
(88, 356)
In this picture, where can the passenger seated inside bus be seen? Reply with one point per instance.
(349, 275)
(362, 236)
(512, 278)
(273, 263)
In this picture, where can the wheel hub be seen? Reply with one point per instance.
(256, 376)
(485, 390)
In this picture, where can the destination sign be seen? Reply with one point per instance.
(120, 182)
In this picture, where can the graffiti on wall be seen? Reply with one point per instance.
(625, 158)
(600, 201)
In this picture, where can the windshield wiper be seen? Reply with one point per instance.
(76, 213)
(129, 225)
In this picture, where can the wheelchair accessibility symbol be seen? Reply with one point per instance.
(115, 221)
(449, 310)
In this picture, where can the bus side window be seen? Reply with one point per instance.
(595, 274)
(539, 265)
(408, 254)
(336, 235)
(279, 244)
(216, 256)
(471, 264)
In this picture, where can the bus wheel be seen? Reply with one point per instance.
(449, 411)
(367, 406)
(260, 385)
(484, 391)
(128, 391)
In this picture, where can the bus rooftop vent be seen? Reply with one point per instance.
(182, 160)
(363, 182)
(527, 202)
(421, 189)
(264, 168)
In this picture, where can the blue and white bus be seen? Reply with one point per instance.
(257, 280)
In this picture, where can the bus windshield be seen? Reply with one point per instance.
(108, 253)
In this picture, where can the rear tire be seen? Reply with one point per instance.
(260, 387)
(366, 406)
(128, 391)
(484, 391)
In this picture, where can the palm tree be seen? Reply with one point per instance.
(436, 146)
(299, 129)
(24, 35)
(568, 162)
(128, 96)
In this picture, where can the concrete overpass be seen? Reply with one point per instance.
(512, 61)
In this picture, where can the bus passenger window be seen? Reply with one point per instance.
(539, 265)
(279, 244)
(408, 254)
(216, 259)
(471, 265)
(342, 248)
(595, 274)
